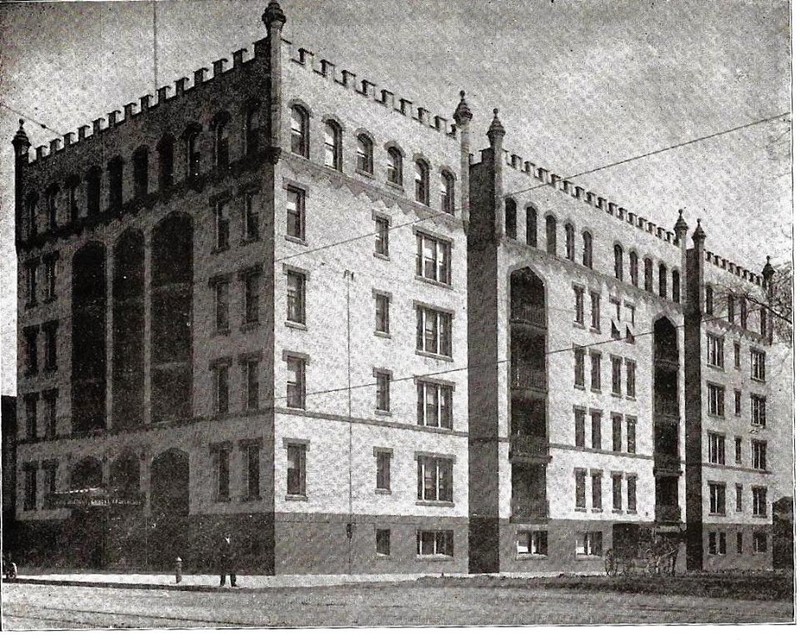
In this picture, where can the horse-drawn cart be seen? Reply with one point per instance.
(641, 548)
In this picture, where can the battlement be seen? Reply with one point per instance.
(369, 90)
(146, 104)
(736, 270)
(605, 205)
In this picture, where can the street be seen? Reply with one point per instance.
(69, 607)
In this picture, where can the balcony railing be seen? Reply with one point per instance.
(535, 314)
(668, 514)
(528, 446)
(527, 377)
(522, 510)
(667, 462)
(666, 406)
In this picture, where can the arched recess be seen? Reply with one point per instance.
(87, 473)
(128, 332)
(171, 318)
(169, 508)
(89, 339)
(124, 474)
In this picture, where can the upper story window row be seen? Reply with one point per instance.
(365, 162)
(196, 150)
(666, 290)
(736, 307)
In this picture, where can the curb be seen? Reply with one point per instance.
(196, 588)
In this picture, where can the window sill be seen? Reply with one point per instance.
(295, 239)
(579, 387)
(365, 173)
(222, 500)
(424, 502)
(716, 416)
(586, 557)
(630, 397)
(296, 498)
(579, 509)
(597, 390)
(250, 326)
(440, 284)
(595, 330)
(30, 305)
(617, 511)
(296, 325)
(531, 556)
(716, 514)
(760, 516)
(716, 367)
(433, 355)
(256, 498)
(576, 324)
(597, 510)
(49, 299)
(250, 240)
(382, 335)
(434, 558)
(221, 332)
(48, 370)
(395, 186)
(758, 380)
(383, 491)
(220, 250)
(383, 413)
(378, 255)
(632, 512)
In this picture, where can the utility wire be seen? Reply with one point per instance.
(33, 120)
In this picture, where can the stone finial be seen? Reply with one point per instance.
(768, 271)
(496, 129)
(273, 14)
(462, 114)
(699, 234)
(681, 227)
(20, 140)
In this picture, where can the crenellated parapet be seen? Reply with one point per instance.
(733, 268)
(146, 104)
(369, 90)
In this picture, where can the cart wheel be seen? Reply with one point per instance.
(611, 563)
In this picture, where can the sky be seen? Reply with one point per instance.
(579, 85)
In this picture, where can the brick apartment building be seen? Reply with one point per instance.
(285, 303)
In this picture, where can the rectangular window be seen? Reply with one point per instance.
(382, 313)
(630, 380)
(50, 278)
(722, 544)
(531, 542)
(31, 408)
(715, 351)
(251, 217)
(758, 365)
(223, 474)
(434, 479)
(29, 500)
(616, 491)
(580, 427)
(597, 434)
(383, 542)
(743, 312)
(631, 422)
(252, 283)
(737, 403)
(435, 543)
(30, 282)
(434, 404)
(716, 400)
(739, 543)
(223, 225)
(759, 501)
(580, 354)
(737, 356)
(616, 376)
(251, 380)
(758, 410)
(589, 544)
(50, 331)
(434, 331)
(296, 297)
(759, 542)
(716, 448)
(221, 392)
(50, 471)
(595, 297)
(712, 543)
(433, 258)
(381, 236)
(595, 357)
(578, 304)
(295, 213)
(295, 382)
(252, 458)
(382, 382)
(737, 449)
(580, 488)
(759, 455)
(739, 492)
(632, 479)
(630, 311)
(383, 470)
(296, 470)
(31, 350)
(50, 417)
(597, 491)
(616, 433)
(716, 498)
(222, 305)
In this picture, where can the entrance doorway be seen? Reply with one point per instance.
(169, 509)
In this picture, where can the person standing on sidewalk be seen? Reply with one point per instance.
(227, 561)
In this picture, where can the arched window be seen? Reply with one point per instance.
(394, 172)
(743, 312)
(634, 268)
(676, 286)
(299, 122)
(166, 161)
(530, 226)
(569, 241)
(333, 145)
(618, 271)
(511, 218)
(221, 145)
(32, 207)
(587, 250)
(422, 182)
(52, 206)
(364, 154)
(72, 183)
(252, 128)
(550, 233)
(662, 280)
(115, 166)
(709, 300)
(731, 309)
(140, 182)
(447, 192)
(648, 275)
(93, 191)
(193, 153)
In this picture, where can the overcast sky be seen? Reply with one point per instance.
(579, 84)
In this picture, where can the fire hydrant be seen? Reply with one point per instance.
(178, 570)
